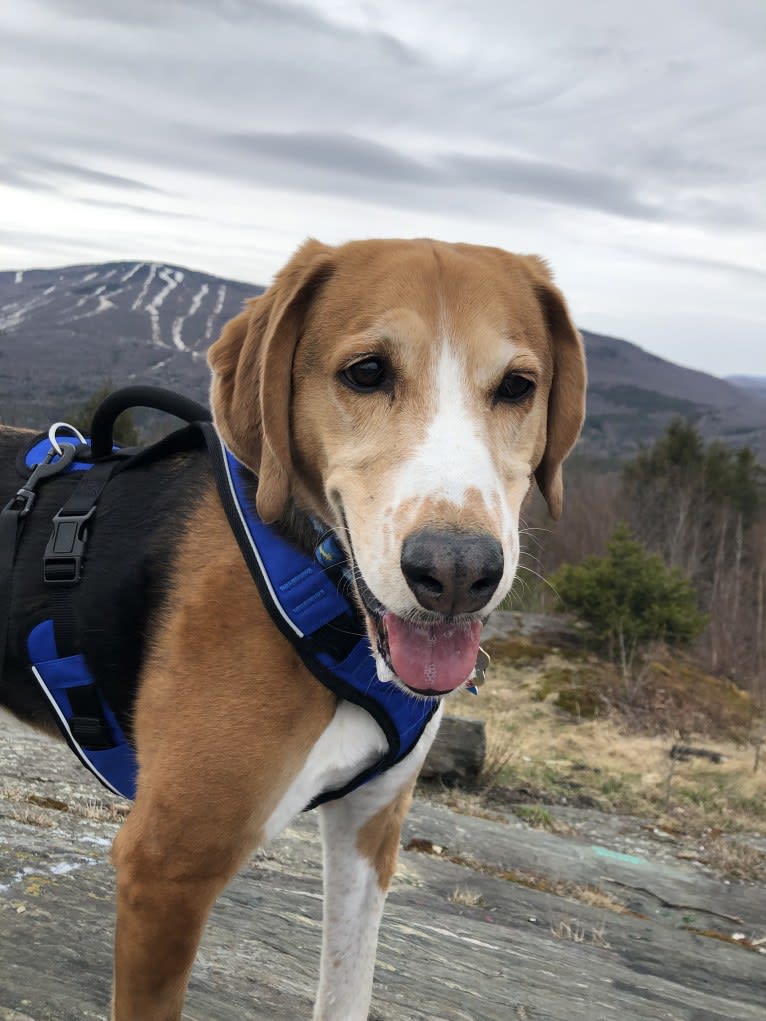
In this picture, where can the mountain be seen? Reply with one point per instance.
(633, 394)
(64, 331)
(755, 384)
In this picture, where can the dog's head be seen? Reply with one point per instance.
(405, 393)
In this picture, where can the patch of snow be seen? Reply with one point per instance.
(19, 276)
(50, 290)
(216, 311)
(142, 293)
(171, 283)
(178, 322)
(104, 303)
(87, 297)
(197, 300)
(89, 276)
(176, 333)
(16, 310)
(194, 307)
(109, 273)
(153, 308)
(152, 368)
(131, 272)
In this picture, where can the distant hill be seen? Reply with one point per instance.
(64, 331)
(633, 394)
(755, 384)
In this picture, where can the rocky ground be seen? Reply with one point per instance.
(488, 919)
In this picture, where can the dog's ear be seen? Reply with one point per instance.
(566, 401)
(252, 374)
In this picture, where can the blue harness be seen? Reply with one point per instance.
(302, 594)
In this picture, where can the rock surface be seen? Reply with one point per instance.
(465, 937)
(457, 754)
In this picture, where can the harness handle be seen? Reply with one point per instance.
(156, 397)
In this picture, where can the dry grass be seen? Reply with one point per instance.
(733, 859)
(579, 932)
(9, 792)
(605, 762)
(92, 808)
(584, 894)
(464, 802)
(31, 817)
(466, 897)
(100, 811)
(497, 758)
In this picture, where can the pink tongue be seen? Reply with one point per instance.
(437, 657)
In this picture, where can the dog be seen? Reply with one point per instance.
(400, 397)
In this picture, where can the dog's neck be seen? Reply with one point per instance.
(301, 529)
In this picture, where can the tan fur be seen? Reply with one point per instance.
(252, 376)
(378, 839)
(566, 404)
(224, 722)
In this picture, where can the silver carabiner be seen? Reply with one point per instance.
(62, 425)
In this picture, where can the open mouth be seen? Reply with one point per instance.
(431, 656)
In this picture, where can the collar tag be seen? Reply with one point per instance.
(328, 552)
(482, 665)
(479, 672)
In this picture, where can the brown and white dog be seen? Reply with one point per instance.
(403, 394)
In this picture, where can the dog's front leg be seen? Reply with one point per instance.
(168, 877)
(360, 836)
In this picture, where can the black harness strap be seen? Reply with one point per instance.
(140, 396)
(12, 519)
(62, 562)
(11, 523)
(89, 725)
(62, 568)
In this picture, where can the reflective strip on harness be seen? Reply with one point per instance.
(302, 600)
(57, 676)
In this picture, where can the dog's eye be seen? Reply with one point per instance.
(369, 374)
(515, 388)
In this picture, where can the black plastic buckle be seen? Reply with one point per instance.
(64, 554)
(23, 502)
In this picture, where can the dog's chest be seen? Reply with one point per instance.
(351, 742)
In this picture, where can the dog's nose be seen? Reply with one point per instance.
(452, 572)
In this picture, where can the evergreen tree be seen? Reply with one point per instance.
(630, 598)
(125, 434)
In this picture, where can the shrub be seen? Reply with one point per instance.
(630, 598)
(125, 433)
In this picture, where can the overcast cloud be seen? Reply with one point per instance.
(622, 141)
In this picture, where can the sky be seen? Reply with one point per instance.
(622, 141)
